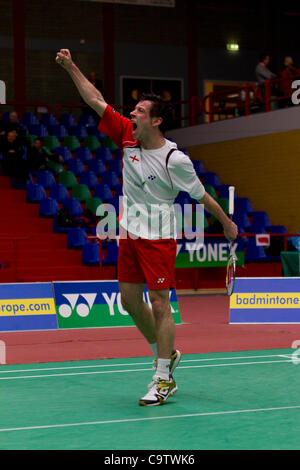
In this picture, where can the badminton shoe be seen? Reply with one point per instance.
(175, 359)
(159, 391)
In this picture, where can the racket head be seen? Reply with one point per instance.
(230, 274)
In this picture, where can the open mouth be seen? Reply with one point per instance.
(134, 125)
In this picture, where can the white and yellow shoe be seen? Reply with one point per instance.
(159, 391)
(175, 359)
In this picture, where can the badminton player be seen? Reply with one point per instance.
(154, 171)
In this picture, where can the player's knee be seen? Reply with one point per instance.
(160, 306)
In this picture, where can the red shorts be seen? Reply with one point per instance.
(150, 262)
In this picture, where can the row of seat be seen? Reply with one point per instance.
(29, 119)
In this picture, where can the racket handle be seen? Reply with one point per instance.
(231, 190)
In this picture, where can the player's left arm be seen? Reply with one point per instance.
(229, 227)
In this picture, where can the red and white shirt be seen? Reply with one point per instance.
(149, 185)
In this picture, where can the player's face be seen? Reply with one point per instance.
(141, 120)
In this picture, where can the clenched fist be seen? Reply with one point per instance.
(64, 59)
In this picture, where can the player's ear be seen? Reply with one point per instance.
(156, 121)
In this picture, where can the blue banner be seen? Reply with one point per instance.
(27, 306)
(265, 300)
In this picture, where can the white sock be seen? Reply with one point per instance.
(163, 368)
(153, 346)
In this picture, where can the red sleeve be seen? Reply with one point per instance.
(115, 126)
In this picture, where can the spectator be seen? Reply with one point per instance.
(288, 73)
(262, 71)
(13, 164)
(37, 158)
(40, 158)
(14, 125)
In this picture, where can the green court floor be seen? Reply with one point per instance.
(240, 400)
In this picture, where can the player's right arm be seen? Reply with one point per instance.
(86, 89)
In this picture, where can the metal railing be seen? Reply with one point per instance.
(228, 103)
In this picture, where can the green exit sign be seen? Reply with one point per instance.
(232, 46)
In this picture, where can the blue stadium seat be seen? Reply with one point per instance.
(59, 130)
(111, 179)
(257, 228)
(90, 254)
(73, 204)
(110, 253)
(77, 237)
(48, 207)
(243, 204)
(118, 154)
(76, 166)
(59, 192)
(93, 130)
(65, 152)
(211, 178)
(116, 166)
(78, 131)
(35, 192)
(260, 218)
(39, 130)
(89, 178)
(45, 178)
(242, 221)
(103, 192)
(29, 119)
(104, 154)
(97, 166)
(49, 119)
(87, 120)
(199, 167)
(68, 120)
(254, 253)
(276, 229)
(223, 191)
(84, 154)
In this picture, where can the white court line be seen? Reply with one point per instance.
(137, 363)
(140, 370)
(132, 420)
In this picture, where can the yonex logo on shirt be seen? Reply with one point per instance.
(161, 280)
(151, 177)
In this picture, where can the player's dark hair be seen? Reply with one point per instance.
(160, 108)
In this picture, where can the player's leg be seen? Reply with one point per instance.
(142, 315)
(164, 322)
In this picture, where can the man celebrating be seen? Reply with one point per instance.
(154, 171)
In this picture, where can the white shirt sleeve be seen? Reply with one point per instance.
(183, 175)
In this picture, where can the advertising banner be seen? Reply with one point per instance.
(93, 304)
(265, 300)
(213, 253)
(27, 307)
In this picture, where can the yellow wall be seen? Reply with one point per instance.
(266, 169)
